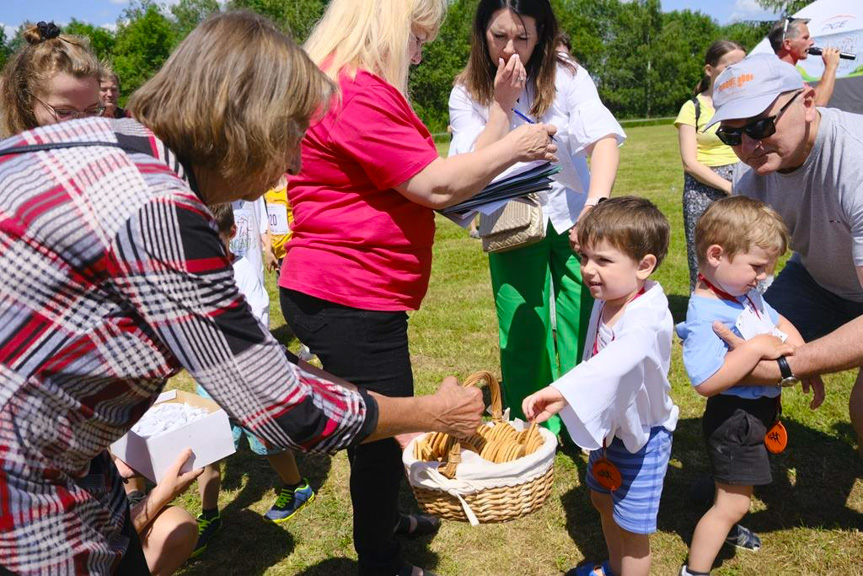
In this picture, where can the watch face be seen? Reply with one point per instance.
(789, 381)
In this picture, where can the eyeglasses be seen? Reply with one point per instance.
(417, 42)
(757, 130)
(64, 114)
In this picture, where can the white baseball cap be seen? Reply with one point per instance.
(748, 88)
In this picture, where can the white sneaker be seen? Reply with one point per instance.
(305, 354)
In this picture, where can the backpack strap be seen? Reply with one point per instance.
(697, 103)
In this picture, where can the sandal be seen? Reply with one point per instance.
(744, 538)
(408, 570)
(416, 525)
(592, 569)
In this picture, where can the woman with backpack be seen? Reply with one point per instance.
(707, 162)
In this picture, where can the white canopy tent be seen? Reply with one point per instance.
(837, 24)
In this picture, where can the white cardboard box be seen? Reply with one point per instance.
(209, 438)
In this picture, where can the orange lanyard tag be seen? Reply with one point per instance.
(776, 438)
(606, 473)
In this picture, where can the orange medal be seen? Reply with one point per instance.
(776, 438)
(606, 473)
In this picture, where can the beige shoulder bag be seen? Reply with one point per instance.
(518, 223)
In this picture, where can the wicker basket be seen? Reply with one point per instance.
(500, 499)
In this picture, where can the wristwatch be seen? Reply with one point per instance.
(788, 377)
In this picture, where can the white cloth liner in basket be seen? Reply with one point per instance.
(475, 473)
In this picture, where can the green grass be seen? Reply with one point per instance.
(810, 518)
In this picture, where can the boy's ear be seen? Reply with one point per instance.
(233, 231)
(714, 255)
(646, 267)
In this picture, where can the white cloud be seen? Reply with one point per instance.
(8, 30)
(119, 1)
(111, 26)
(750, 10)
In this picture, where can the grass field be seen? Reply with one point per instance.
(810, 518)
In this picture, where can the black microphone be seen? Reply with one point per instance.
(816, 51)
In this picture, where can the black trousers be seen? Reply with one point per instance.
(369, 349)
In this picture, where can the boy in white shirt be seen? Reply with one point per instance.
(616, 402)
(294, 492)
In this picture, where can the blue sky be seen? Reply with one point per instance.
(106, 12)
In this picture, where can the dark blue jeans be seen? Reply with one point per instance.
(813, 310)
(370, 349)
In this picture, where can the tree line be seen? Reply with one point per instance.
(645, 62)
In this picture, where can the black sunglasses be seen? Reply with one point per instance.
(757, 130)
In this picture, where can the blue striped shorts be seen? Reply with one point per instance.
(636, 502)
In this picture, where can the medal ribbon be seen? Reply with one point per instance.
(726, 296)
(599, 321)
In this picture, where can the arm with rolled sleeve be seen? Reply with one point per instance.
(589, 120)
(172, 270)
(594, 131)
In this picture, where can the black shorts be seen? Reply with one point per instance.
(734, 429)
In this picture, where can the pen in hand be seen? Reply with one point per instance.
(527, 119)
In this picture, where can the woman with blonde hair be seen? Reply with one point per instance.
(53, 78)
(517, 71)
(363, 230)
(114, 278)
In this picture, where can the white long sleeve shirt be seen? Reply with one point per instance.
(581, 120)
(623, 390)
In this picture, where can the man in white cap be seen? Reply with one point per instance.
(807, 163)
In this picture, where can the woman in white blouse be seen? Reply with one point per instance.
(515, 66)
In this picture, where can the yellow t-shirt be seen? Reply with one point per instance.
(279, 216)
(711, 150)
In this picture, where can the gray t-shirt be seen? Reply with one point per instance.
(821, 203)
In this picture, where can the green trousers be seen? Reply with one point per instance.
(521, 280)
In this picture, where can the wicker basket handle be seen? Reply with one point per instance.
(449, 466)
(493, 386)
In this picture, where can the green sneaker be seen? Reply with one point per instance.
(207, 528)
(289, 502)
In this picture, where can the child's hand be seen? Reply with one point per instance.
(817, 385)
(770, 347)
(542, 405)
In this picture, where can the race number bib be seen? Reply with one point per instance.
(750, 324)
(277, 217)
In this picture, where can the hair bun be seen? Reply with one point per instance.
(48, 31)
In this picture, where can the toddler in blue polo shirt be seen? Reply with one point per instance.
(737, 240)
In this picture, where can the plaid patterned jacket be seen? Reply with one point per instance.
(112, 278)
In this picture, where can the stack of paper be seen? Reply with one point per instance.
(502, 190)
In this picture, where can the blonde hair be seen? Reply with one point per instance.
(106, 72)
(47, 53)
(236, 96)
(737, 224)
(373, 35)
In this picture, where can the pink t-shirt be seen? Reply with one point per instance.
(357, 241)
